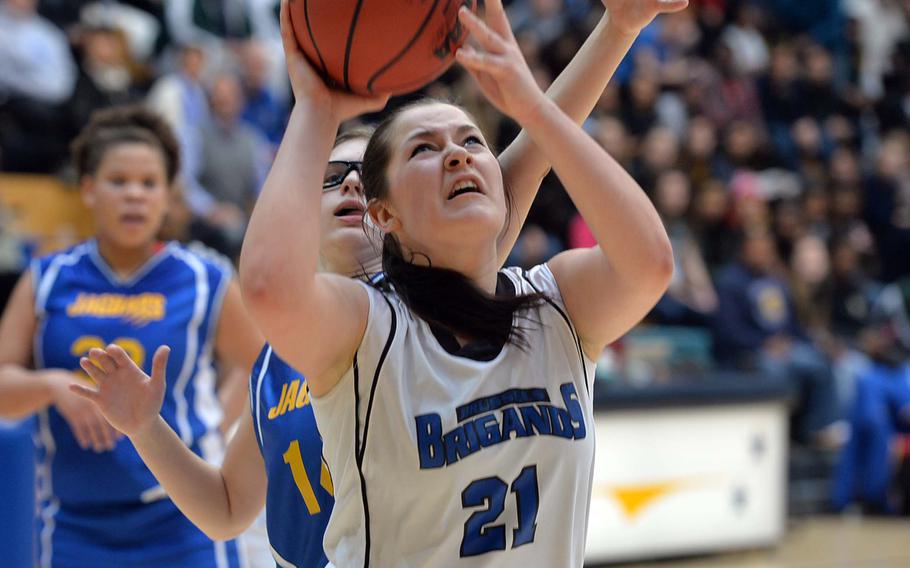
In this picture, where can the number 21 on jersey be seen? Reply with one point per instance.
(480, 535)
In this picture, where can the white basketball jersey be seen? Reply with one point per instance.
(444, 460)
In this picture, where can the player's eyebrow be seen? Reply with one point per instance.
(429, 133)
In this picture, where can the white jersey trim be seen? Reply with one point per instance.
(258, 395)
(192, 346)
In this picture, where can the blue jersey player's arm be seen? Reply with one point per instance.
(222, 501)
(237, 344)
(24, 391)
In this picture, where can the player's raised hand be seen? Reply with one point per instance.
(630, 16)
(128, 398)
(308, 85)
(497, 64)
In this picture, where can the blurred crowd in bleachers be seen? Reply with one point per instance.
(772, 135)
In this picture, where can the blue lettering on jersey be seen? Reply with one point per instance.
(521, 415)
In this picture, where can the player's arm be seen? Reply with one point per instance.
(314, 321)
(237, 344)
(221, 501)
(237, 339)
(575, 91)
(609, 287)
(233, 394)
(24, 391)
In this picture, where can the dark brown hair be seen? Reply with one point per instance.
(353, 133)
(124, 124)
(440, 296)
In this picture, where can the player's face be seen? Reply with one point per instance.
(343, 207)
(445, 185)
(128, 194)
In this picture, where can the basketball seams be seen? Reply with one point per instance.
(349, 43)
(398, 56)
(309, 29)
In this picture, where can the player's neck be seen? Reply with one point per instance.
(124, 261)
(355, 268)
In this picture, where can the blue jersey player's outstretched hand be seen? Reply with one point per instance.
(128, 398)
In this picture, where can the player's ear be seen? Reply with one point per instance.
(383, 216)
(87, 190)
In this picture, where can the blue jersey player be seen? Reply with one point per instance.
(300, 493)
(275, 458)
(99, 503)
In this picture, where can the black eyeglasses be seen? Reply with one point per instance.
(337, 171)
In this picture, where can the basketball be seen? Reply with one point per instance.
(379, 46)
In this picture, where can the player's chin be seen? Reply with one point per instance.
(482, 217)
(131, 237)
(350, 236)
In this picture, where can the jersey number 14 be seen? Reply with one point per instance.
(293, 458)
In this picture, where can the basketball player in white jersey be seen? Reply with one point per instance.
(456, 410)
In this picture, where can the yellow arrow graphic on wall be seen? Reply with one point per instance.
(635, 497)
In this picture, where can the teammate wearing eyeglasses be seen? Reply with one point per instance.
(288, 473)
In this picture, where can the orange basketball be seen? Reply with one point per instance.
(379, 46)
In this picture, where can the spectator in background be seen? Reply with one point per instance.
(744, 39)
(846, 211)
(852, 294)
(817, 86)
(181, 99)
(882, 25)
(690, 299)
(810, 269)
(700, 159)
(37, 75)
(638, 111)
(887, 205)
(534, 246)
(789, 225)
(744, 148)
(209, 21)
(808, 157)
(106, 75)
(892, 110)
(658, 152)
(823, 20)
(781, 99)
(756, 328)
(711, 223)
(816, 202)
(546, 19)
(234, 161)
(879, 412)
(263, 108)
(734, 95)
(610, 133)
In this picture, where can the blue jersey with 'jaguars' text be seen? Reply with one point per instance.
(300, 493)
(97, 505)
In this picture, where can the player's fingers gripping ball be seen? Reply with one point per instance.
(379, 46)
